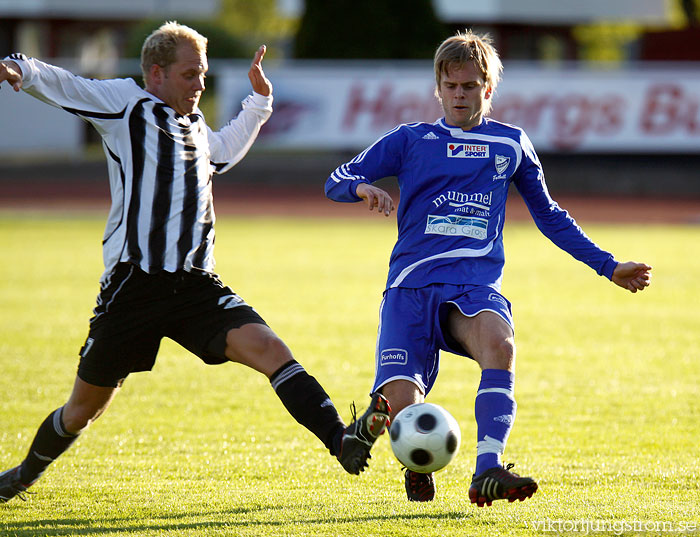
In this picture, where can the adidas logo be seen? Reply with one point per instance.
(430, 136)
(491, 489)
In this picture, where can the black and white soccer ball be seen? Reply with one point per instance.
(424, 437)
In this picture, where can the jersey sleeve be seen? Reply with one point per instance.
(230, 144)
(553, 221)
(88, 98)
(381, 159)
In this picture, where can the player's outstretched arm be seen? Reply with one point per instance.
(10, 71)
(632, 276)
(258, 80)
(376, 197)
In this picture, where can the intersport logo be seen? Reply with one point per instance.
(467, 150)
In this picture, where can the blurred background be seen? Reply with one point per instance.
(608, 90)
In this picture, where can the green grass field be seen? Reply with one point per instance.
(607, 388)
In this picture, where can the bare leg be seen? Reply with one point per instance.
(487, 338)
(61, 428)
(87, 402)
(258, 347)
(401, 393)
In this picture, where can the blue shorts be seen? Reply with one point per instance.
(413, 329)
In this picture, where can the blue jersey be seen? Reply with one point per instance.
(454, 185)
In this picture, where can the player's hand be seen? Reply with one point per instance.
(376, 197)
(256, 75)
(10, 71)
(632, 276)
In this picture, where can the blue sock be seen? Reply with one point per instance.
(494, 409)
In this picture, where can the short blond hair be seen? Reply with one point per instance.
(468, 46)
(160, 48)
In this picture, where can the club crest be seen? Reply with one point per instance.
(502, 164)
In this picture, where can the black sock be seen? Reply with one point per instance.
(50, 441)
(308, 403)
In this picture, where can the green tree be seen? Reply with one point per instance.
(221, 42)
(257, 22)
(391, 29)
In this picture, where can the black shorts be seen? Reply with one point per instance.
(135, 310)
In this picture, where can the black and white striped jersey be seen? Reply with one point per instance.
(160, 164)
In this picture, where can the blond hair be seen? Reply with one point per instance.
(160, 48)
(464, 47)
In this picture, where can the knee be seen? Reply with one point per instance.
(272, 345)
(505, 348)
(259, 343)
(499, 354)
(401, 393)
(257, 347)
(272, 350)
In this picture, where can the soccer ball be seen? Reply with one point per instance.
(424, 437)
